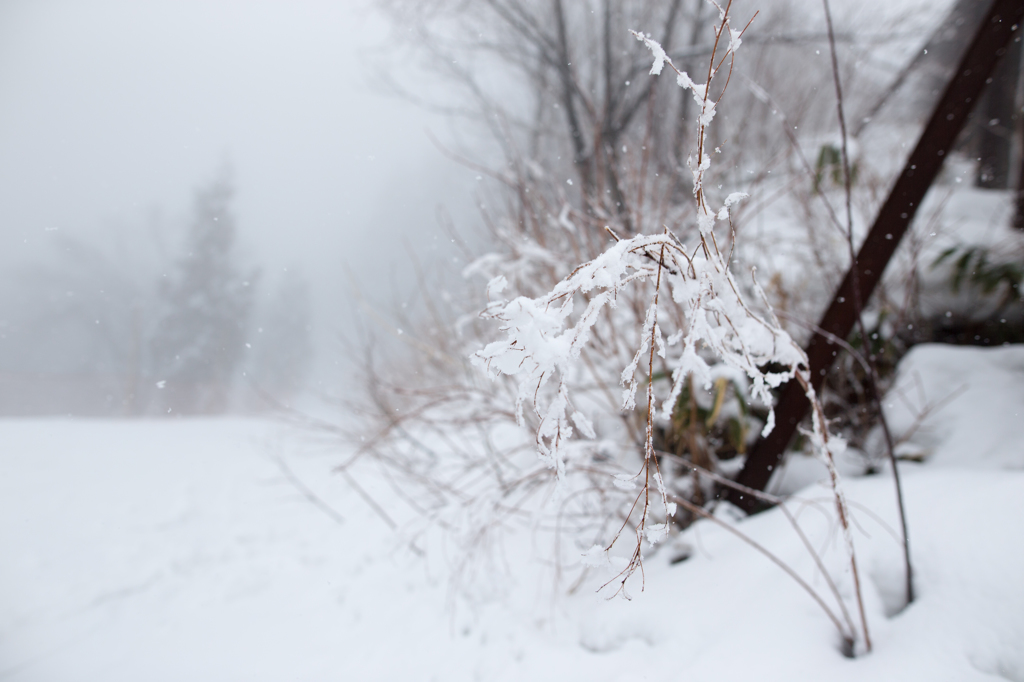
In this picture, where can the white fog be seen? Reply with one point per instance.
(115, 113)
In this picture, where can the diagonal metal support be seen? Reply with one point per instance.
(989, 43)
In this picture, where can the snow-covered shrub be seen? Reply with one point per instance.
(609, 297)
(544, 339)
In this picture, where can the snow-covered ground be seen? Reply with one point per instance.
(181, 550)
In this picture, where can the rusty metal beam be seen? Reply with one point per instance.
(948, 118)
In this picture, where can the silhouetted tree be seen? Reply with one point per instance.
(199, 341)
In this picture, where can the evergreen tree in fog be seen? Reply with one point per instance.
(200, 339)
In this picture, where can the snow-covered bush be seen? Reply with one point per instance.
(608, 298)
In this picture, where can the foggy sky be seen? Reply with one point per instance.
(114, 112)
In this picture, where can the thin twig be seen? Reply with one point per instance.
(700, 511)
(312, 497)
(781, 504)
(859, 311)
(369, 499)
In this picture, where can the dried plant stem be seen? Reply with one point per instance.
(703, 513)
(307, 493)
(873, 379)
(842, 509)
(847, 634)
(636, 560)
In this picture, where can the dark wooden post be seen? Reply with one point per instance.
(948, 118)
(1018, 216)
(996, 121)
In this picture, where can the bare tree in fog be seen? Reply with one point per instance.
(112, 325)
(199, 343)
(75, 325)
(560, 88)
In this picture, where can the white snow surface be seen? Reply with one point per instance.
(958, 406)
(178, 550)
